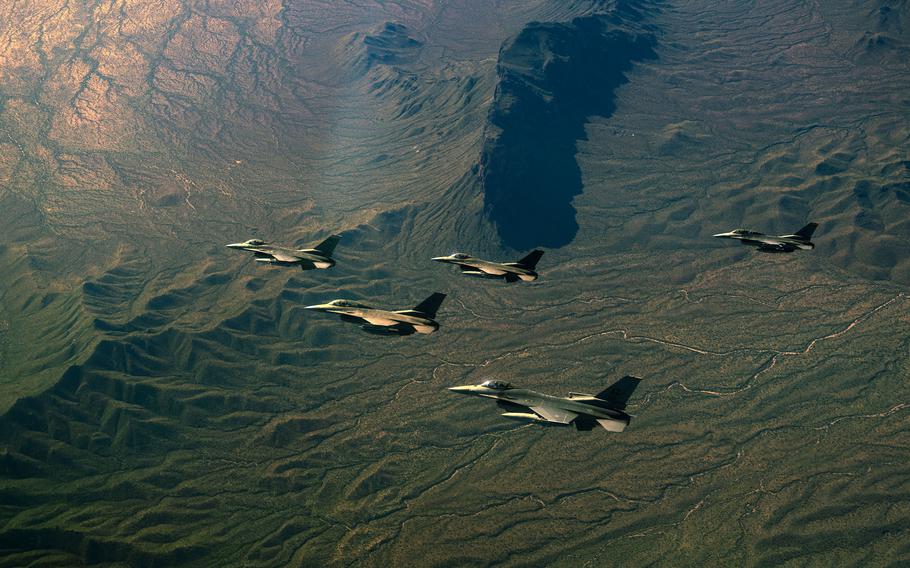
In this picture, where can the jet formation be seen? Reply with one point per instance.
(320, 256)
(509, 271)
(419, 319)
(584, 411)
(800, 240)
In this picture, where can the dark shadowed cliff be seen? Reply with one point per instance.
(553, 77)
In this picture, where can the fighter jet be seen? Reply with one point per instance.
(509, 271)
(584, 411)
(319, 256)
(769, 243)
(385, 322)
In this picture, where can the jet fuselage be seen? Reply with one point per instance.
(584, 411)
(370, 316)
(801, 240)
(760, 240)
(477, 267)
(282, 256)
(319, 256)
(579, 404)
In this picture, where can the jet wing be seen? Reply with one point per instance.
(400, 329)
(766, 240)
(380, 320)
(284, 257)
(613, 425)
(777, 247)
(554, 414)
(492, 270)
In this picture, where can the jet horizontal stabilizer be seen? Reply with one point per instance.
(613, 425)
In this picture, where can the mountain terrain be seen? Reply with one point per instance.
(166, 400)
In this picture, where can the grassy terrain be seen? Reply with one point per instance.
(167, 401)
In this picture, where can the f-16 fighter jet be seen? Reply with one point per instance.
(584, 411)
(319, 256)
(385, 322)
(768, 243)
(510, 271)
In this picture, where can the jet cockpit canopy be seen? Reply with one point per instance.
(254, 242)
(496, 385)
(460, 256)
(346, 304)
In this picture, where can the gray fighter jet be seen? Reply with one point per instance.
(319, 256)
(419, 319)
(509, 271)
(769, 243)
(584, 411)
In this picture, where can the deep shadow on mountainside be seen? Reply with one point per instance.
(552, 78)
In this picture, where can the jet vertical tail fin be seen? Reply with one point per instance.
(806, 232)
(327, 247)
(530, 261)
(429, 306)
(619, 392)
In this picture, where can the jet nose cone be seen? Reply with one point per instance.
(722, 235)
(235, 245)
(314, 307)
(440, 258)
(462, 389)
